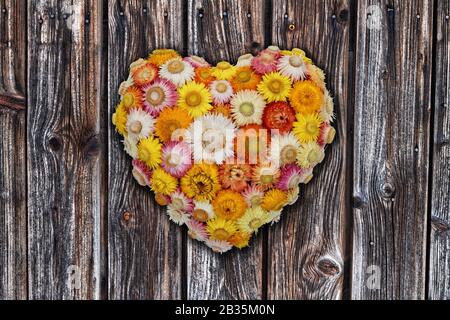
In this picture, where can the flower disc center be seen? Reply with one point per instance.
(247, 109)
(175, 67)
(193, 99)
(155, 96)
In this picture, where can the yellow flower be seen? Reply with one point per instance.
(119, 119)
(307, 127)
(149, 151)
(195, 98)
(160, 56)
(274, 200)
(306, 97)
(229, 205)
(223, 70)
(240, 239)
(275, 87)
(252, 220)
(309, 155)
(163, 183)
(201, 182)
(220, 229)
(169, 120)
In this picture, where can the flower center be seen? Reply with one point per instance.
(266, 178)
(136, 127)
(244, 76)
(288, 154)
(221, 234)
(177, 203)
(173, 160)
(221, 87)
(247, 109)
(295, 61)
(223, 65)
(267, 58)
(146, 74)
(200, 215)
(155, 96)
(176, 66)
(193, 99)
(128, 99)
(145, 155)
(205, 74)
(311, 128)
(275, 86)
(255, 223)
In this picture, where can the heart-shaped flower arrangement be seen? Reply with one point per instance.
(225, 147)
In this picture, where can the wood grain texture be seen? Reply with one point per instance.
(224, 30)
(392, 111)
(65, 149)
(307, 247)
(13, 214)
(439, 263)
(145, 256)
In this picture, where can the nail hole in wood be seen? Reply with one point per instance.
(249, 15)
(225, 14)
(4, 10)
(144, 10)
(126, 216)
(286, 16)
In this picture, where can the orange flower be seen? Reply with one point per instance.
(204, 75)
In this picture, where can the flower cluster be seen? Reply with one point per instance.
(225, 147)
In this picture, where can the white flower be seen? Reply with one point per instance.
(140, 124)
(177, 216)
(221, 91)
(218, 245)
(284, 148)
(293, 67)
(327, 110)
(244, 60)
(247, 107)
(211, 138)
(130, 147)
(177, 71)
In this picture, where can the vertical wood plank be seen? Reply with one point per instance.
(220, 30)
(145, 249)
(13, 215)
(439, 264)
(307, 247)
(65, 149)
(392, 111)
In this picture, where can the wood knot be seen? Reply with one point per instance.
(343, 15)
(387, 190)
(91, 147)
(359, 201)
(328, 267)
(55, 144)
(291, 27)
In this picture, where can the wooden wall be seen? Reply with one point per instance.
(373, 224)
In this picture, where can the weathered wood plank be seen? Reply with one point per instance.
(65, 148)
(13, 210)
(392, 111)
(224, 30)
(439, 264)
(307, 247)
(145, 249)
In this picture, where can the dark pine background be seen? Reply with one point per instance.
(379, 205)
